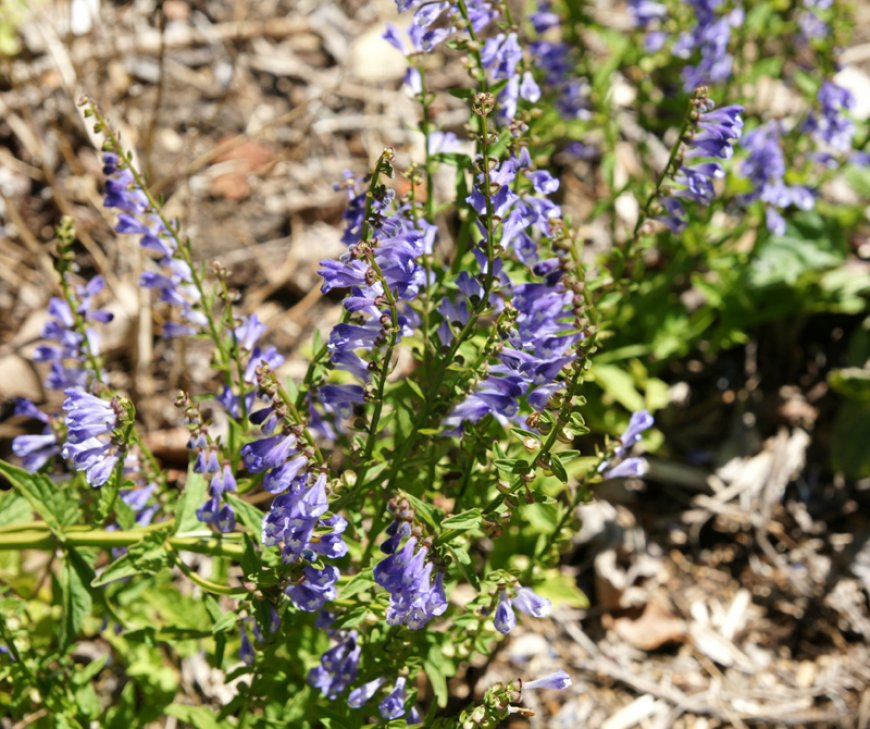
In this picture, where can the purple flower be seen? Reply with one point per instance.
(90, 446)
(528, 602)
(709, 40)
(717, 130)
(271, 452)
(765, 167)
(504, 619)
(501, 55)
(831, 127)
(544, 18)
(556, 681)
(640, 422)
(393, 705)
(246, 649)
(629, 468)
(315, 590)
(362, 694)
(67, 349)
(34, 450)
(174, 285)
(338, 667)
(415, 598)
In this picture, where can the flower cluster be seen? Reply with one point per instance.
(69, 349)
(382, 271)
(415, 597)
(628, 467)
(648, 14)
(38, 449)
(435, 22)
(765, 167)
(338, 666)
(251, 356)
(207, 461)
(296, 521)
(716, 130)
(538, 343)
(709, 39)
(830, 126)
(531, 358)
(810, 21)
(174, 285)
(524, 600)
(91, 445)
(557, 59)
(72, 354)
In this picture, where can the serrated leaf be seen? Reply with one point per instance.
(466, 520)
(147, 556)
(14, 509)
(53, 502)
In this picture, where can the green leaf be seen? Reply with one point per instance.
(466, 520)
(84, 675)
(422, 509)
(251, 561)
(361, 582)
(53, 502)
(557, 468)
(849, 450)
(415, 388)
(225, 623)
(353, 617)
(512, 465)
(14, 509)
(75, 601)
(437, 675)
(199, 717)
(851, 382)
(248, 514)
(190, 500)
(562, 590)
(147, 556)
(619, 385)
(463, 559)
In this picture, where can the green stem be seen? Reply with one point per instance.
(561, 420)
(182, 245)
(44, 539)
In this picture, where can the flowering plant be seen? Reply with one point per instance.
(343, 543)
